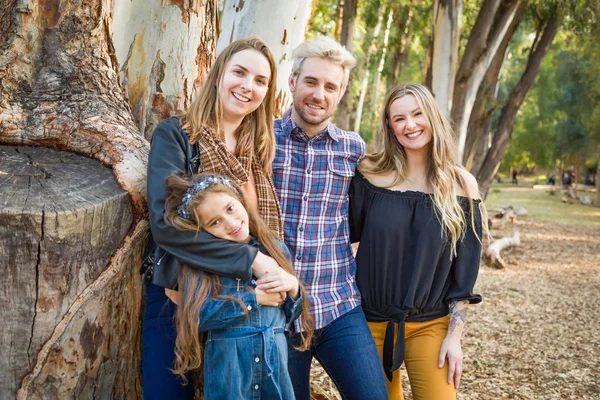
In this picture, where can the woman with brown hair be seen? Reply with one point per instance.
(227, 130)
(415, 212)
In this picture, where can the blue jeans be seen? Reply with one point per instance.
(158, 350)
(346, 350)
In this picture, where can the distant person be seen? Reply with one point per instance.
(551, 180)
(515, 181)
(566, 180)
(415, 212)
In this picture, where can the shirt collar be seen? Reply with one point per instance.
(289, 125)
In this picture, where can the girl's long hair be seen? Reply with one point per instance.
(196, 289)
(443, 169)
(255, 134)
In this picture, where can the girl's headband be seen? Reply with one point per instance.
(201, 184)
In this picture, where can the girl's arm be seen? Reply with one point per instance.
(451, 348)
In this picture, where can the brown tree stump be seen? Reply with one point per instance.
(71, 299)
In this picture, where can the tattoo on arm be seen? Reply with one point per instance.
(458, 317)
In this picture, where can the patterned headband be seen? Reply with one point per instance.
(201, 184)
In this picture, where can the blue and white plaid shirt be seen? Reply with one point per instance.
(312, 177)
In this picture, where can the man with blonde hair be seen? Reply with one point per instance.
(312, 170)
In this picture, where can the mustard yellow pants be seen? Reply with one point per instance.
(423, 341)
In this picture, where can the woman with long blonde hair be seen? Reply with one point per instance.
(415, 212)
(227, 131)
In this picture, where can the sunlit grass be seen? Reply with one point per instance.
(544, 207)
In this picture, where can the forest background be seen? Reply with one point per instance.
(83, 83)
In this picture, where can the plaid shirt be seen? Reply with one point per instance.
(312, 177)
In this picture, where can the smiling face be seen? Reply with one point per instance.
(244, 84)
(224, 216)
(316, 91)
(409, 123)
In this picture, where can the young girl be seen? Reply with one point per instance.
(245, 353)
(415, 212)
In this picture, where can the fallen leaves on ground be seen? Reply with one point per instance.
(536, 335)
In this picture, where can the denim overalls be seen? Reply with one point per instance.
(246, 358)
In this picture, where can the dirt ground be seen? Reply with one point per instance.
(536, 335)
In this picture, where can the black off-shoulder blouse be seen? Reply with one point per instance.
(405, 271)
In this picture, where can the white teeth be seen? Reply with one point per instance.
(314, 107)
(240, 97)
(412, 135)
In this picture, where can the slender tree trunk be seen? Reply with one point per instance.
(490, 27)
(281, 27)
(443, 60)
(401, 54)
(377, 78)
(342, 118)
(366, 74)
(506, 122)
(73, 226)
(339, 19)
(479, 133)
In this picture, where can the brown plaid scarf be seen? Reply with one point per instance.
(216, 159)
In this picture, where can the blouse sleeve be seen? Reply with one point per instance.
(198, 249)
(357, 209)
(465, 265)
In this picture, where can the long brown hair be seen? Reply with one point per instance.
(255, 134)
(194, 289)
(443, 169)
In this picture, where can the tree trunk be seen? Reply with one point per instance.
(72, 232)
(160, 67)
(339, 19)
(281, 27)
(342, 116)
(490, 27)
(506, 122)
(479, 132)
(366, 73)
(377, 77)
(445, 37)
(401, 54)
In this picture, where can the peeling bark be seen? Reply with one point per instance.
(73, 230)
(281, 27)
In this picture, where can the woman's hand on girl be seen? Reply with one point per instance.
(278, 281)
(268, 299)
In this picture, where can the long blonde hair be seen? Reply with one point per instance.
(443, 170)
(195, 290)
(255, 133)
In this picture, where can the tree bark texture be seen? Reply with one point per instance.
(379, 71)
(281, 27)
(73, 207)
(163, 54)
(490, 27)
(506, 122)
(342, 116)
(445, 38)
(401, 52)
(479, 132)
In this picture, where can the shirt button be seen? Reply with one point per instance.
(256, 359)
(301, 229)
(309, 170)
(256, 387)
(305, 198)
(298, 257)
(249, 308)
